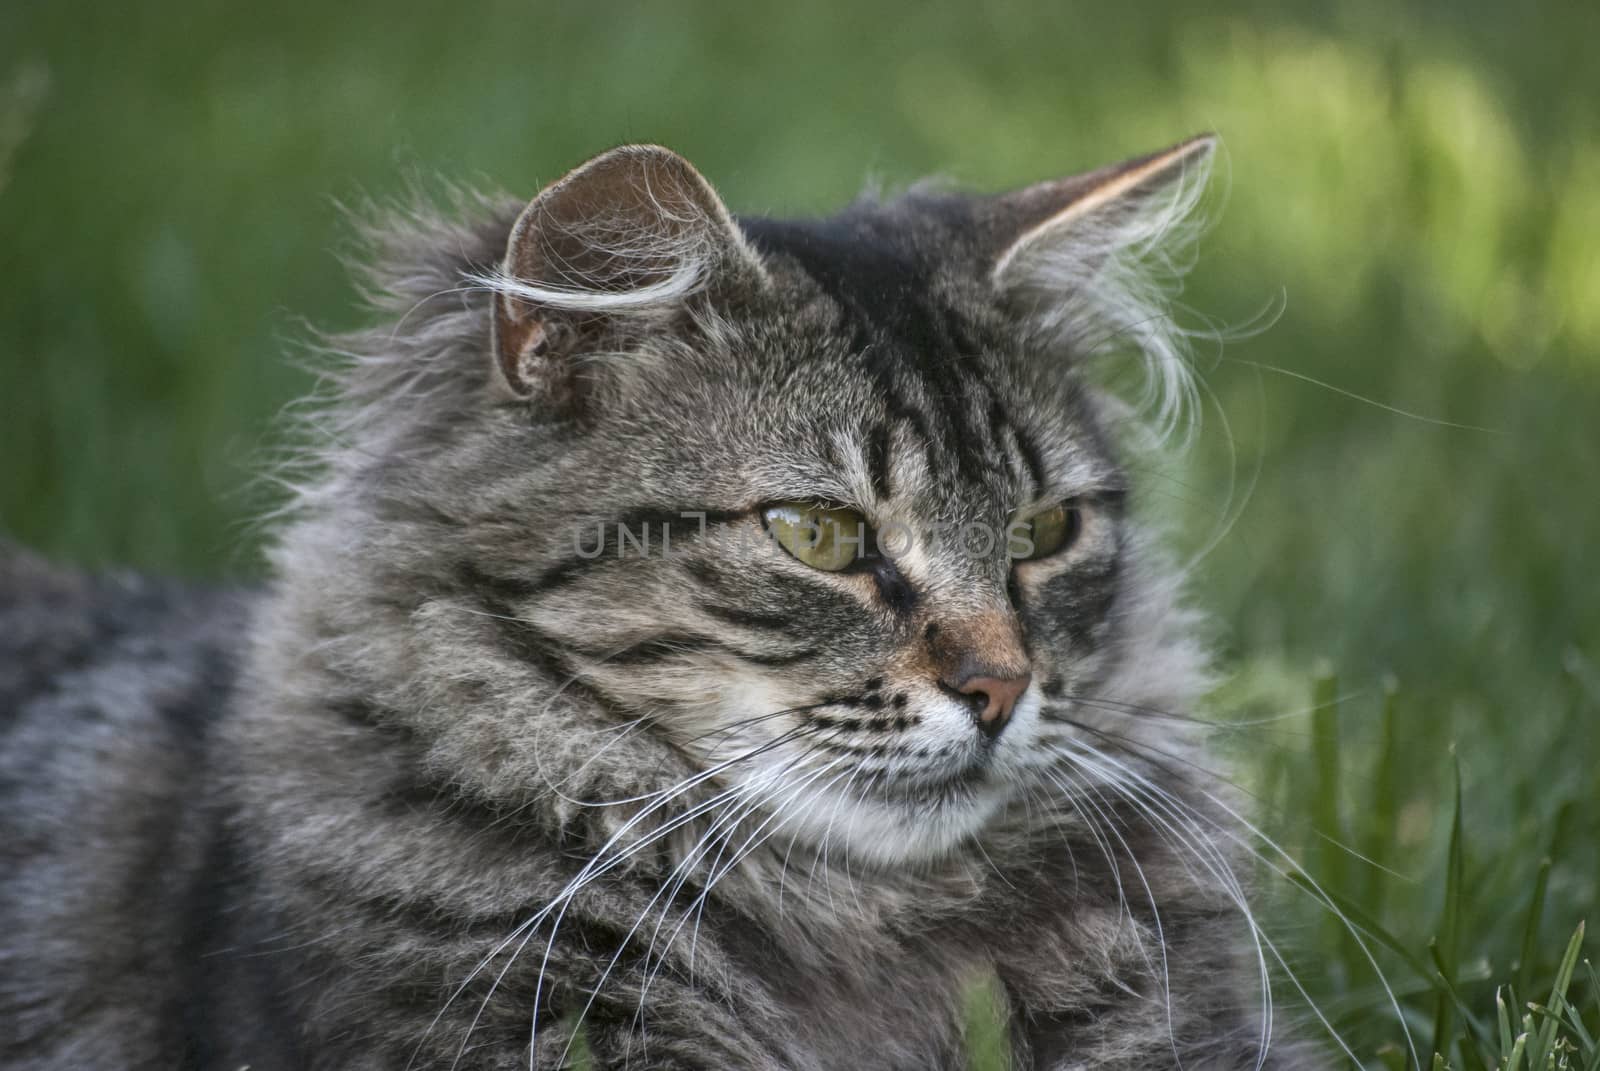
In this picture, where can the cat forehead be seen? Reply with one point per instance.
(930, 373)
(887, 270)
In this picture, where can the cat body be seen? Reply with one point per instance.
(537, 726)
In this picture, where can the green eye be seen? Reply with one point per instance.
(830, 538)
(1045, 533)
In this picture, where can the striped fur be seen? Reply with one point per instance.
(475, 768)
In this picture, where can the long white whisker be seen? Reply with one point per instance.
(1315, 890)
(749, 845)
(756, 791)
(1218, 868)
(588, 873)
(736, 812)
(1155, 915)
(729, 820)
(563, 899)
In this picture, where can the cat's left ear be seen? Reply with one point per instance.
(621, 242)
(1036, 234)
(1090, 263)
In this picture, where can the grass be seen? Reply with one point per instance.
(1411, 189)
(1457, 968)
(1474, 975)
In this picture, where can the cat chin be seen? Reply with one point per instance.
(893, 832)
(901, 834)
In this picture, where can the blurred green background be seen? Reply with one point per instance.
(1416, 188)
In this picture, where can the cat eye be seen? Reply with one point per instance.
(1045, 533)
(830, 538)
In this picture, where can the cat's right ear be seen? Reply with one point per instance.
(625, 240)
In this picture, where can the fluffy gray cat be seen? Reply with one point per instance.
(722, 639)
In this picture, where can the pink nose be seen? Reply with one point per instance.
(993, 699)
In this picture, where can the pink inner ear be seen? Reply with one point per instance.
(1014, 219)
(520, 338)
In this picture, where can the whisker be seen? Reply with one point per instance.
(1155, 915)
(1312, 887)
(720, 829)
(1145, 751)
(1224, 872)
(1219, 870)
(584, 877)
(750, 844)
(590, 872)
(1123, 706)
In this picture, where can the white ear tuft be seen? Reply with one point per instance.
(634, 232)
(1096, 260)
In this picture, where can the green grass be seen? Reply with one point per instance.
(1455, 948)
(1413, 187)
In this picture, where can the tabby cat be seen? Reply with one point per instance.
(701, 642)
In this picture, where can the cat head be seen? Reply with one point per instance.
(831, 509)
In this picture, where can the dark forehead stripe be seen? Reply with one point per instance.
(885, 289)
(876, 279)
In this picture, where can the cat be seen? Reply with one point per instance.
(705, 642)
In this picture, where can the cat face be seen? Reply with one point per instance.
(828, 505)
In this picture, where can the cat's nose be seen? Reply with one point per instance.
(993, 699)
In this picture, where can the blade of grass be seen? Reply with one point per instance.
(1594, 993)
(1325, 752)
(1574, 1016)
(1382, 815)
(1574, 1023)
(1514, 1061)
(1327, 851)
(1447, 941)
(1593, 1063)
(1367, 924)
(1472, 1056)
(988, 1039)
(1544, 1047)
(1530, 933)
(578, 1057)
(1468, 1016)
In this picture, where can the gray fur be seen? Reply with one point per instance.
(443, 788)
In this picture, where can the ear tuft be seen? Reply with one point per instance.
(630, 235)
(1043, 213)
(1095, 260)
